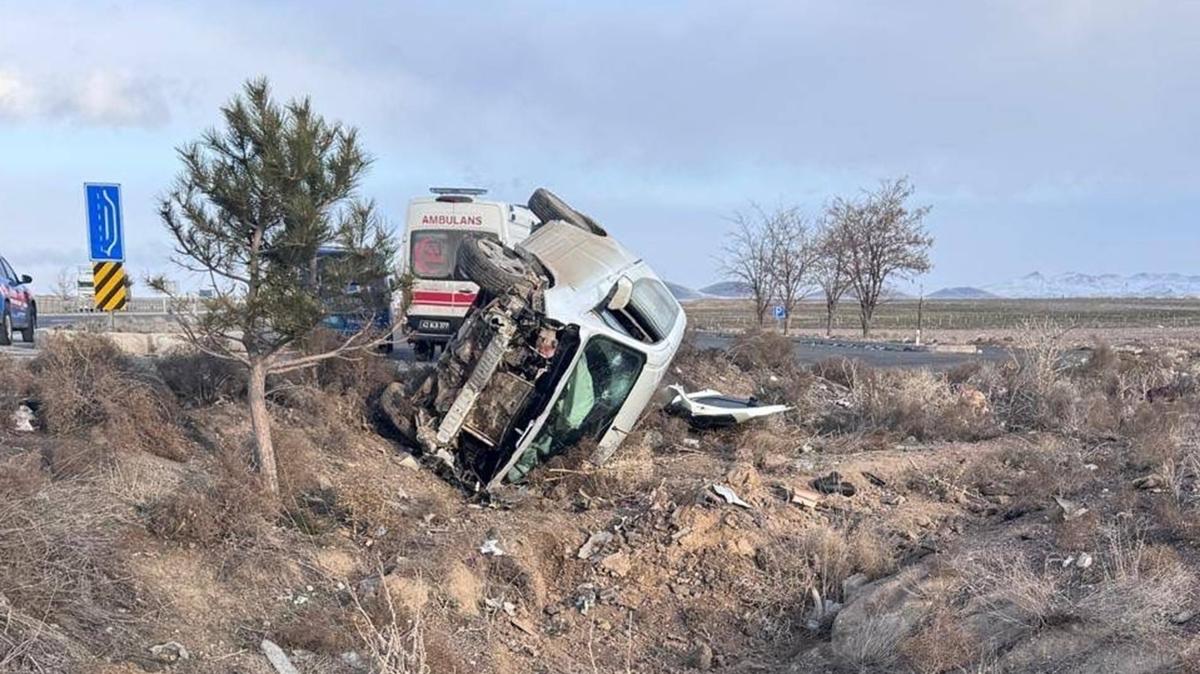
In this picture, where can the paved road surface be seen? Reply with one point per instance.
(807, 351)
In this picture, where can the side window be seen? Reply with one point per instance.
(650, 314)
(6, 270)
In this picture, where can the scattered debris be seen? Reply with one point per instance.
(713, 409)
(617, 564)
(408, 461)
(1070, 509)
(171, 651)
(1151, 482)
(834, 484)
(822, 613)
(690, 443)
(874, 479)
(593, 544)
(497, 605)
(491, 545)
(585, 597)
(803, 497)
(1084, 560)
(22, 419)
(279, 660)
(730, 496)
(523, 625)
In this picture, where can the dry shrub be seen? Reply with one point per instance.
(832, 556)
(231, 507)
(916, 403)
(65, 591)
(16, 384)
(324, 628)
(1128, 596)
(199, 379)
(1031, 391)
(760, 350)
(842, 371)
(1156, 433)
(940, 645)
(85, 383)
(366, 503)
(358, 377)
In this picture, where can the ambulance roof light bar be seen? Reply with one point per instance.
(468, 191)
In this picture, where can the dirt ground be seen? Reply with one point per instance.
(114, 553)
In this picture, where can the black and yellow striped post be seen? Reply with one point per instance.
(108, 283)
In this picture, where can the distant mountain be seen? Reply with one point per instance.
(682, 293)
(961, 293)
(1074, 284)
(727, 289)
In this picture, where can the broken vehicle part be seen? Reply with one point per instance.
(834, 484)
(713, 409)
(568, 340)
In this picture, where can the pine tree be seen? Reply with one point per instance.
(255, 202)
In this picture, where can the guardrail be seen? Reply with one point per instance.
(50, 304)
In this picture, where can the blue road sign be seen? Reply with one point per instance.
(106, 226)
(780, 313)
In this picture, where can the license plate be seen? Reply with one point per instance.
(434, 325)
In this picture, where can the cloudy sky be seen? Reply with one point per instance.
(1047, 136)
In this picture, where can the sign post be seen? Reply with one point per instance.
(106, 246)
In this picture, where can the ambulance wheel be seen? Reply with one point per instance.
(423, 351)
(547, 206)
(490, 265)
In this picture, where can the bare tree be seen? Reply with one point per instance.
(793, 254)
(747, 259)
(254, 204)
(830, 271)
(65, 285)
(885, 239)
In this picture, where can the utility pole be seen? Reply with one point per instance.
(920, 311)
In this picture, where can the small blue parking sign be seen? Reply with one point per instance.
(780, 313)
(106, 226)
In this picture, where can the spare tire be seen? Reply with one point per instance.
(547, 206)
(490, 265)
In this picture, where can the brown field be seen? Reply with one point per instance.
(1153, 320)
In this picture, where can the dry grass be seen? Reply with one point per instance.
(65, 591)
(199, 379)
(392, 648)
(940, 645)
(231, 507)
(86, 385)
(760, 350)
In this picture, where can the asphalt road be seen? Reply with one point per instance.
(875, 354)
(808, 350)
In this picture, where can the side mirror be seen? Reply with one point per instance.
(26, 278)
(621, 292)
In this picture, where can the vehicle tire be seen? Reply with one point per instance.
(27, 332)
(490, 265)
(423, 351)
(547, 206)
(5, 329)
